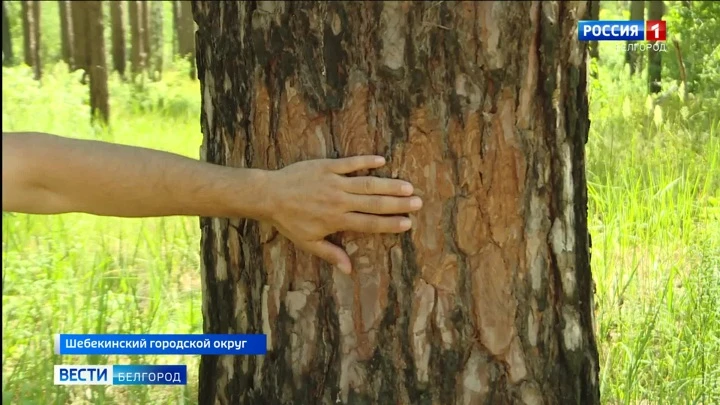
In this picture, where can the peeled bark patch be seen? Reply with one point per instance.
(483, 107)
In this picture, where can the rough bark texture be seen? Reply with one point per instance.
(137, 53)
(594, 14)
(637, 12)
(89, 16)
(117, 23)
(186, 35)
(31, 35)
(66, 33)
(656, 9)
(483, 107)
(8, 56)
(156, 39)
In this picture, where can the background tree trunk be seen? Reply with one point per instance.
(186, 35)
(156, 39)
(8, 56)
(483, 107)
(656, 9)
(66, 35)
(136, 43)
(145, 30)
(80, 39)
(594, 14)
(31, 35)
(117, 23)
(89, 16)
(637, 12)
(175, 15)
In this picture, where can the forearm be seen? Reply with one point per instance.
(46, 174)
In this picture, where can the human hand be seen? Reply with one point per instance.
(312, 199)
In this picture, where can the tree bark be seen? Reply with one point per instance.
(483, 107)
(186, 35)
(156, 39)
(656, 9)
(66, 34)
(637, 12)
(7, 49)
(594, 14)
(31, 35)
(136, 31)
(117, 23)
(89, 16)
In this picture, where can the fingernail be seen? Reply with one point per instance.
(344, 268)
(416, 202)
(407, 189)
(380, 160)
(406, 223)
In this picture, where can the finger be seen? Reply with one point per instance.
(366, 223)
(377, 185)
(382, 205)
(331, 253)
(356, 163)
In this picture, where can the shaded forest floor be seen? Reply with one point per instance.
(654, 189)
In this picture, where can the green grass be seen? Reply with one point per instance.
(654, 191)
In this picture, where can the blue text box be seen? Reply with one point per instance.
(128, 344)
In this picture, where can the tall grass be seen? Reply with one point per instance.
(654, 191)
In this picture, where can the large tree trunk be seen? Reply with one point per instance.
(186, 35)
(136, 44)
(117, 23)
(89, 16)
(31, 35)
(156, 39)
(656, 9)
(81, 42)
(66, 34)
(8, 56)
(637, 12)
(483, 107)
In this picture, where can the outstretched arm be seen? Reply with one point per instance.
(306, 201)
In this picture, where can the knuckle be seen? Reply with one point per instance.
(368, 185)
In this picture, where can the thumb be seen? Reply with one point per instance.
(331, 253)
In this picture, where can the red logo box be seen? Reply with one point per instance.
(655, 30)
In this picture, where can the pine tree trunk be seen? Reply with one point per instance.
(156, 39)
(637, 12)
(31, 35)
(7, 49)
(117, 23)
(483, 107)
(88, 15)
(136, 43)
(66, 34)
(186, 35)
(656, 10)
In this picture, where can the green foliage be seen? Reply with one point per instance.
(697, 29)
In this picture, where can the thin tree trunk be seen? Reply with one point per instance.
(8, 55)
(483, 107)
(117, 23)
(145, 23)
(88, 15)
(31, 35)
(156, 39)
(594, 14)
(137, 52)
(637, 12)
(175, 15)
(186, 35)
(66, 35)
(656, 9)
